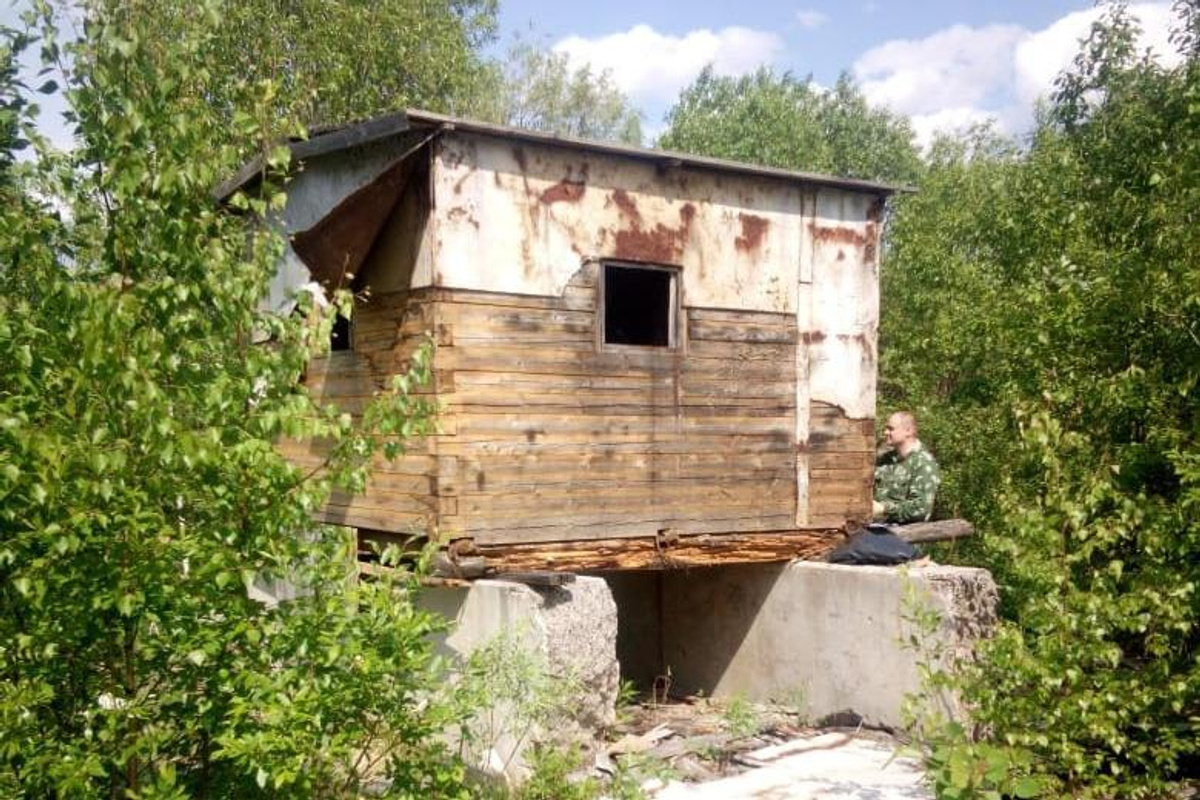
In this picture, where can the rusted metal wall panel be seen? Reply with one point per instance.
(521, 218)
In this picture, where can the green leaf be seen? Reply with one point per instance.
(1027, 787)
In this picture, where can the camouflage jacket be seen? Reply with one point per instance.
(907, 486)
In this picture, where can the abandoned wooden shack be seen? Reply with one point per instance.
(645, 359)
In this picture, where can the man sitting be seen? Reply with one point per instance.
(906, 475)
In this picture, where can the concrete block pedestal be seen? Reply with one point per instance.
(570, 630)
(825, 637)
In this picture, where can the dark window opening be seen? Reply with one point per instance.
(340, 338)
(638, 306)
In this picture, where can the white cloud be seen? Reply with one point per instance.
(958, 66)
(652, 67)
(811, 18)
(962, 75)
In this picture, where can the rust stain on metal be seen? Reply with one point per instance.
(565, 191)
(627, 205)
(837, 235)
(754, 229)
(661, 244)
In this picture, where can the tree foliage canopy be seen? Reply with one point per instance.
(782, 121)
(1042, 314)
(141, 494)
(537, 89)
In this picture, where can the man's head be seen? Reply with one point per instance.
(901, 432)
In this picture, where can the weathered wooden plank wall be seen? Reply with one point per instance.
(559, 440)
(403, 494)
(547, 438)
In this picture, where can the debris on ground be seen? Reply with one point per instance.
(698, 748)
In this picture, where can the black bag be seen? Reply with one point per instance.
(875, 544)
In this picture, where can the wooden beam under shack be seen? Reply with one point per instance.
(676, 552)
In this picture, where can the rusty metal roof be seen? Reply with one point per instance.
(330, 139)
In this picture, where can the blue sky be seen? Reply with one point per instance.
(945, 64)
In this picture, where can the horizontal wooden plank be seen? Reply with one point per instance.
(731, 316)
(841, 460)
(610, 363)
(484, 512)
(391, 521)
(607, 528)
(617, 405)
(472, 321)
(480, 382)
(557, 497)
(575, 299)
(601, 455)
(700, 330)
(640, 443)
(607, 483)
(606, 465)
(379, 497)
(411, 463)
(839, 475)
(601, 426)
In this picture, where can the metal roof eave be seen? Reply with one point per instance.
(664, 157)
(323, 141)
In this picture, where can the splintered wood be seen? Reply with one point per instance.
(686, 551)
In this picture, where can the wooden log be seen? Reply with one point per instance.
(536, 578)
(942, 530)
(445, 566)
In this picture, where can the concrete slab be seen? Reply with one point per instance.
(821, 767)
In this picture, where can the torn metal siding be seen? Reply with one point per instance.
(317, 190)
(521, 218)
